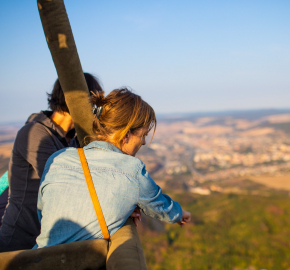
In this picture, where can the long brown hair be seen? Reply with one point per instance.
(123, 111)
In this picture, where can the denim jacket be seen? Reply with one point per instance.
(121, 181)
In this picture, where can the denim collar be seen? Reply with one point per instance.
(106, 146)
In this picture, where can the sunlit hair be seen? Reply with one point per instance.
(123, 111)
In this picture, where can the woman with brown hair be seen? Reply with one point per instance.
(121, 181)
(125, 250)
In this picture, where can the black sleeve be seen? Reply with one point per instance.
(36, 145)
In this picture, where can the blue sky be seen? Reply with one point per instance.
(180, 56)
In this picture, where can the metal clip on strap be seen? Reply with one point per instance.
(93, 194)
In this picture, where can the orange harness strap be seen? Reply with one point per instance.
(93, 194)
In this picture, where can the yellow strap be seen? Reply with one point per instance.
(93, 194)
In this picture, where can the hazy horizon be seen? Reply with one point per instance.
(179, 56)
(257, 113)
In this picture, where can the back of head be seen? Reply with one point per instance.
(56, 100)
(122, 111)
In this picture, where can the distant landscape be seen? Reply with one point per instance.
(8, 132)
(198, 153)
(232, 171)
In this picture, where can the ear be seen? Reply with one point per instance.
(126, 137)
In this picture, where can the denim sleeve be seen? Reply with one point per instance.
(48, 163)
(154, 203)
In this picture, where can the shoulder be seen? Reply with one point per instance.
(113, 161)
(32, 129)
(64, 159)
(130, 165)
(30, 136)
(66, 156)
(33, 137)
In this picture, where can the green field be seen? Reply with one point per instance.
(228, 232)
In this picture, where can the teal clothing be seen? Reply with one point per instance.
(3, 182)
(3, 194)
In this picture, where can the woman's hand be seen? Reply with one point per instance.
(136, 215)
(186, 217)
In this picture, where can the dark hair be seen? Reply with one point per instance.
(56, 100)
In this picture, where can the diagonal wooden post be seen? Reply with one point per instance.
(125, 252)
(64, 53)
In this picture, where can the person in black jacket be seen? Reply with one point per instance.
(43, 134)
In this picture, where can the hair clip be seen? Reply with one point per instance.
(99, 112)
(94, 110)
